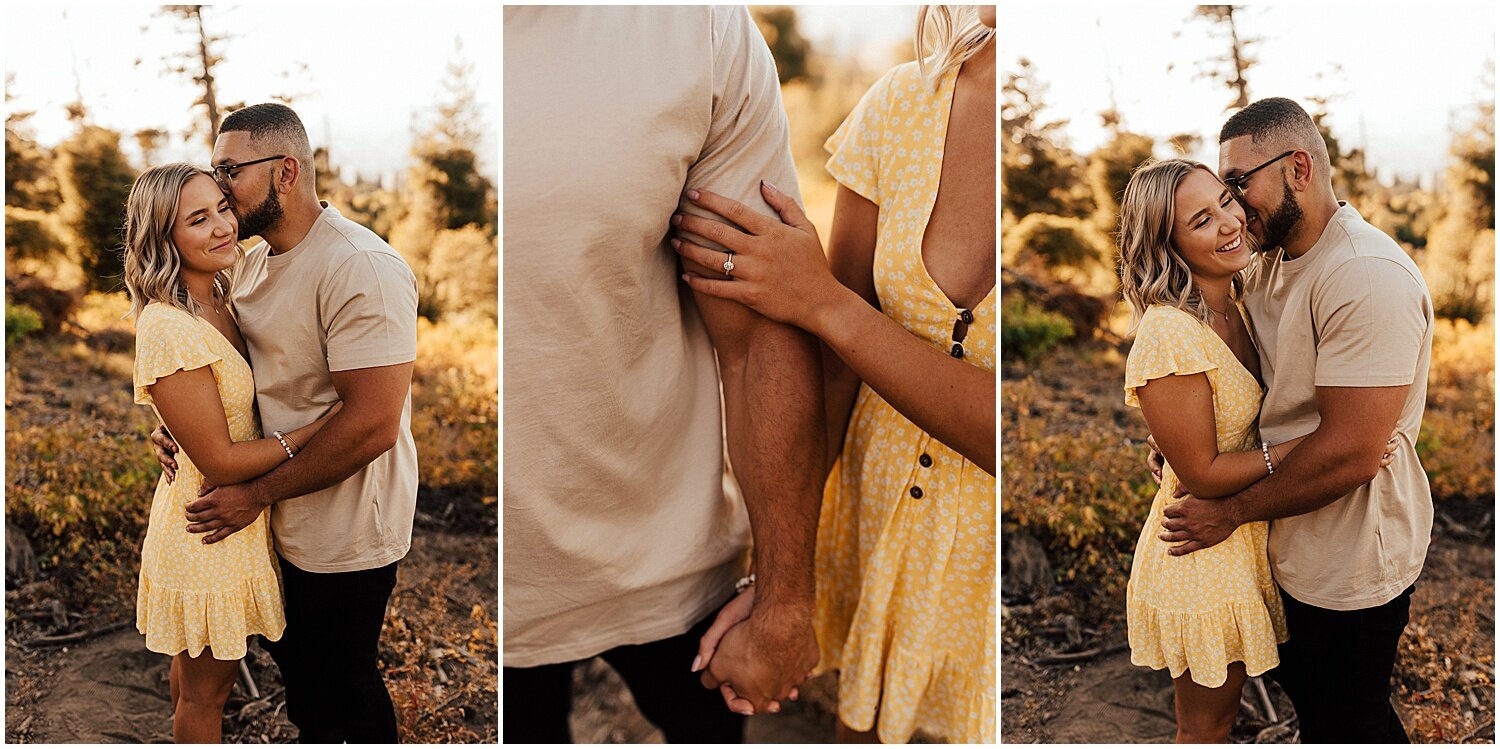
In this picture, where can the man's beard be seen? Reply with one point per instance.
(255, 221)
(1279, 224)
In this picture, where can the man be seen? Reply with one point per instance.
(329, 312)
(620, 540)
(1344, 323)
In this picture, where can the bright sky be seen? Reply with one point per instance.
(868, 31)
(369, 71)
(1407, 73)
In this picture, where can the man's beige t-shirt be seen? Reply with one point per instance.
(1351, 312)
(616, 522)
(341, 299)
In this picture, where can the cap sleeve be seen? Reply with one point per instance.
(1169, 341)
(856, 146)
(168, 340)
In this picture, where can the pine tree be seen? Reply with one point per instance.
(95, 180)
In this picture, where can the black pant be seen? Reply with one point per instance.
(328, 655)
(538, 699)
(1337, 668)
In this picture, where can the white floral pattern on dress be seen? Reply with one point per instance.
(194, 595)
(1202, 611)
(906, 551)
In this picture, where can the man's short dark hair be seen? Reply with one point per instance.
(1266, 117)
(262, 121)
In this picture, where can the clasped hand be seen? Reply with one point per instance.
(219, 511)
(756, 657)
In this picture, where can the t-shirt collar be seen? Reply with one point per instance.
(1344, 213)
(329, 213)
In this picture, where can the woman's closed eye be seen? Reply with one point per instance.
(1224, 201)
(224, 208)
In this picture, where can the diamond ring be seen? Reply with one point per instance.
(729, 266)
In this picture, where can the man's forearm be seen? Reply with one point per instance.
(1314, 475)
(773, 404)
(337, 452)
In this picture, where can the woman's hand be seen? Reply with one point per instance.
(1391, 445)
(779, 268)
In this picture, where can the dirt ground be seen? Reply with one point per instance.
(110, 689)
(1444, 681)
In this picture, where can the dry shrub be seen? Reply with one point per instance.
(1074, 466)
(440, 649)
(1457, 443)
(455, 412)
(79, 475)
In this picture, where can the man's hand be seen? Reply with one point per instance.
(166, 451)
(1154, 460)
(225, 510)
(737, 610)
(1198, 523)
(761, 660)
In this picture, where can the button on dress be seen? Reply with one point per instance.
(906, 540)
(1216, 606)
(194, 595)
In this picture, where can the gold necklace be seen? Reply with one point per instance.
(219, 311)
(1224, 313)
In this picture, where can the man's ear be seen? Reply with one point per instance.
(1302, 170)
(291, 174)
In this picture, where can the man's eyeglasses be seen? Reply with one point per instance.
(1236, 184)
(224, 173)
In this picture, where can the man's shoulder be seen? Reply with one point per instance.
(1364, 251)
(351, 239)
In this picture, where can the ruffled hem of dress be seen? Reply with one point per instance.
(953, 699)
(174, 620)
(1160, 637)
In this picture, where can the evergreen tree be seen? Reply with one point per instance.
(1231, 67)
(95, 182)
(791, 50)
(1039, 174)
(198, 64)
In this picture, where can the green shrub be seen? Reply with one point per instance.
(20, 321)
(1027, 331)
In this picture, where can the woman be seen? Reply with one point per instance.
(905, 556)
(198, 602)
(1213, 618)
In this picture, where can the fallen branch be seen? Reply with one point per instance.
(1052, 659)
(1487, 724)
(1265, 697)
(69, 639)
(251, 708)
(249, 680)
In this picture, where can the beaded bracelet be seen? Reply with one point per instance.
(281, 437)
(1265, 452)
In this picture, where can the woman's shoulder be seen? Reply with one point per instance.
(158, 319)
(904, 80)
(1163, 321)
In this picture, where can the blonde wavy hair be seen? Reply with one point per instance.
(153, 267)
(1151, 270)
(947, 35)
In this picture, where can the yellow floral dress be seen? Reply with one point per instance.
(1213, 607)
(906, 540)
(194, 595)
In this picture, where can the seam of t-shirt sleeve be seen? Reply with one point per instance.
(1366, 379)
(385, 320)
